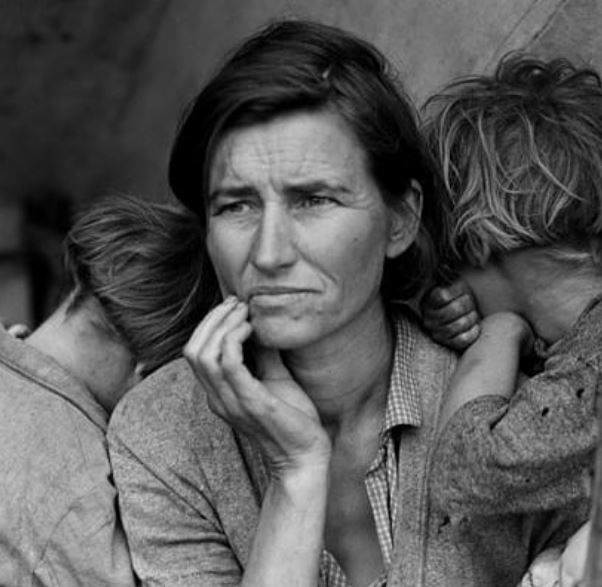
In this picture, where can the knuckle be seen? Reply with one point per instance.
(457, 288)
(467, 337)
(460, 306)
(467, 302)
(440, 295)
(434, 298)
(465, 322)
(230, 362)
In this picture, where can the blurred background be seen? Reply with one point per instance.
(91, 92)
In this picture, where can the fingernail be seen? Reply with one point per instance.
(230, 299)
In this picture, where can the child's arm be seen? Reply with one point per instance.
(524, 454)
(490, 365)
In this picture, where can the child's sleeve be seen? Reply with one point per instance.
(530, 453)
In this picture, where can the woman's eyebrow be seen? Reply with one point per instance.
(232, 192)
(312, 187)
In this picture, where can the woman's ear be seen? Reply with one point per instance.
(405, 220)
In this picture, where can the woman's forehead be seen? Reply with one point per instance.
(295, 147)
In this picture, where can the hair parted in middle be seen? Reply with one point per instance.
(302, 66)
(521, 157)
(143, 263)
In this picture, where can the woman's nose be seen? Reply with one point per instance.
(274, 243)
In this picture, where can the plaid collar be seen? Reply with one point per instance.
(403, 402)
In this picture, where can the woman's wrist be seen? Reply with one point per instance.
(303, 472)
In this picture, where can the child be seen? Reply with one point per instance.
(521, 153)
(135, 296)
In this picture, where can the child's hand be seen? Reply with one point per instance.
(450, 316)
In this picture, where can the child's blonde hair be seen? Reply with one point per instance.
(521, 157)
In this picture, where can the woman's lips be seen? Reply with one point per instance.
(277, 296)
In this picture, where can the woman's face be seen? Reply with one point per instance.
(297, 227)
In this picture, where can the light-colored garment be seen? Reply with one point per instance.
(534, 452)
(545, 570)
(58, 525)
(190, 488)
(564, 566)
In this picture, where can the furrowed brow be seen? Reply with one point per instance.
(232, 192)
(313, 187)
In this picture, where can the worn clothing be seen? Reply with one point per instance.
(545, 570)
(190, 487)
(58, 525)
(403, 409)
(534, 452)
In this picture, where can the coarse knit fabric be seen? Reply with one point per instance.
(58, 523)
(190, 488)
(534, 452)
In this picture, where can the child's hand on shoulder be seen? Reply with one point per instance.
(449, 314)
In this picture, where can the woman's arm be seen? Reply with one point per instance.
(277, 414)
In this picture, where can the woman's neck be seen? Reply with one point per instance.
(347, 375)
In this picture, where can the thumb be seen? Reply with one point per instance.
(269, 364)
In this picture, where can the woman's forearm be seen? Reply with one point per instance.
(288, 542)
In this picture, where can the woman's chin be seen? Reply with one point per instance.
(282, 335)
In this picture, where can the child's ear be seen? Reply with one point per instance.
(405, 220)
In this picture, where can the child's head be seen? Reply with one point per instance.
(521, 155)
(141, 263)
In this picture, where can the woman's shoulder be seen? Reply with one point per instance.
(168, 407)
(409, 331)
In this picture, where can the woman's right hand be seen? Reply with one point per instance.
(271, 408)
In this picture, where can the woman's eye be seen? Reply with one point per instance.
(316, 201)
(238, 207)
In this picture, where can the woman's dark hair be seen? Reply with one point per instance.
(294, 66)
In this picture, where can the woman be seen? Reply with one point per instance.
(305, 165)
